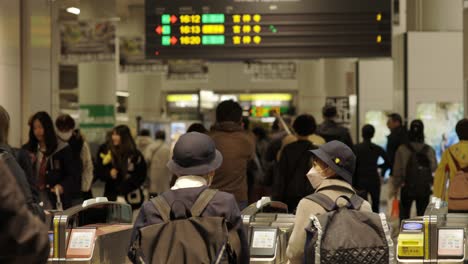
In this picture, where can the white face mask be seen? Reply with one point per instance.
(65, 136)
(316, 177)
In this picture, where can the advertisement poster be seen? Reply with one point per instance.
(87, 41)
(342, 107)
(132, 57)
(440, 120)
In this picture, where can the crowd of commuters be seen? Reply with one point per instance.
(54, 169)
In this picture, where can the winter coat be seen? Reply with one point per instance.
(402, 158)
(142, 143)
(237, 147)
(397, 137)
(157, 156)
(82, 152)
(306, 208)
(62, 168)
(367, 155)
(330, 130)
(23, 236)
(293, 185)
(222, 205)
(448, 168)
(123, 184)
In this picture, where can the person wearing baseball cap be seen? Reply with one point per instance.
(194, 162)
(332, 175)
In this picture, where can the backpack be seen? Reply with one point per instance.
(418, 178)
(189, 239)
(458, 189)
(347, 236)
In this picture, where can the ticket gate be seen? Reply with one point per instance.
(97, 231)
(436, 237)
(269, 227)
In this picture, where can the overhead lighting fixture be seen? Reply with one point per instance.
(122, 93)
(73, 10)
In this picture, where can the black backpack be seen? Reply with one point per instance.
(347, 236)
(190, 239)
(418, 176)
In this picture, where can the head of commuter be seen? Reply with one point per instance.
(368, 132)
(416, 131)
(145, 133)
(260, 133)
(122, 144)
(160, 135)
(333, 160)
(394, 121)
(42, 133)
(229, 111)
(4, 125)
(65, 125)
(304, 125)
(462, 129)
(197, 127)
(195, 154)
(329, 112)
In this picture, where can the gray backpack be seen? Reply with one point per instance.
(346, 235)
(191, 239)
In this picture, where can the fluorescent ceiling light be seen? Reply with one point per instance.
(122, 93)
(73, 10)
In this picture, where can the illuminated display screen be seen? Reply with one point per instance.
(261, 29)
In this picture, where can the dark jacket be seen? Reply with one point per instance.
(23, 236)
(223, 205)
(397, 137)
(330, 130)
(61, 169)
(295, 163)
(237, 147)
(367, 155)
(26, 185)
(123, 184)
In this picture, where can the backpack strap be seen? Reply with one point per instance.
(356, 201)
(200, 204)
(162, 207)
(457, 166)
(324, 201)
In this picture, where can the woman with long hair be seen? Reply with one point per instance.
(56, 171)
(122, 167)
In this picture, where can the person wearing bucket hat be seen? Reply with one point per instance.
(332, 175)
(194, 162)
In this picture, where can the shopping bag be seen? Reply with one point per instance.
(395, 213)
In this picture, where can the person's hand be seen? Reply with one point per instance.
(113, 173)
(58, 188)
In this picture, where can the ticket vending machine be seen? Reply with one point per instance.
(269, 227)
(97, 231)
(436, 237)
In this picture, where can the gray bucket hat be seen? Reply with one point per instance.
(194, 154)
(339, 157)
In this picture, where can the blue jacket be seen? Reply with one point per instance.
(223, 204)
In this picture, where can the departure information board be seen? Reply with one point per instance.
(267, 29)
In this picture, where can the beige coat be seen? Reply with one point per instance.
(157, 156)
(306, 208)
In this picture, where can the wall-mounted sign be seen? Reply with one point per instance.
(87, 41)
(132, 57)
(342, 107)
(271, 70)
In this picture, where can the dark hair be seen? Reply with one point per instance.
(160, 134)
(416, 131)
(127, 147)
(228, 111)
(259, 132)
(197, 127)
(368, 131)
(462, 129)
(145, 132)
(50, 137)
(65, 122)
(305, 125)
(395, 117)
(246, 122)
(329, 111)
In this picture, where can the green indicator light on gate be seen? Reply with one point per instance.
(166, 30)
(166, 41)
(166, 19)
(213, 40)
(213, 18)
